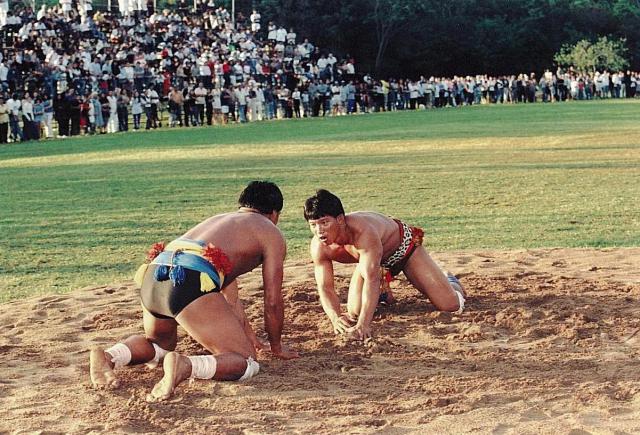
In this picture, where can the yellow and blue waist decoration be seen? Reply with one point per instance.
(179, 255)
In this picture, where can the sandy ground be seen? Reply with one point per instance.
(549, 344)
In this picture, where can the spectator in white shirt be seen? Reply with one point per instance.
(255, 21)
(4, 10)
(4, 72)
(291, 37)
(200, 94)
(27, 118)
(272, 32)
(112, 124)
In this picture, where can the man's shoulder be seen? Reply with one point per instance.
(258, 223)
(367, 227)
(365, 218)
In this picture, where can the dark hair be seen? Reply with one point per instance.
(323, 203)
(264, 196)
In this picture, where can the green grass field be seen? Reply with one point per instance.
(83, 211)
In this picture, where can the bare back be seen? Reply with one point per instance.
(243, 236)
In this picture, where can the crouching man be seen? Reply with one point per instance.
(382, 247)
(192, 283)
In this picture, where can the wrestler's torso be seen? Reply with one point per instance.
(242, 237)
(366, 228)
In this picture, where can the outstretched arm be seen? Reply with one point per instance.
(272, 272)
(369, 267)
(323, 271)
(328, 297)
(230, 293)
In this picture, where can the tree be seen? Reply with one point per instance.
(389, 16)
(587, 56)
(409, 38)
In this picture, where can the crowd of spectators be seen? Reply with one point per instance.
(94, 71)
(560, 86)
(100, 72)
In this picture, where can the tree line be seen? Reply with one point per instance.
(413, 37)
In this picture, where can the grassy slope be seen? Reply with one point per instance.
(83, 211)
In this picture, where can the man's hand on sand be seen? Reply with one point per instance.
(261, 346)
(342, 323)
(283, 352)
(359, 332)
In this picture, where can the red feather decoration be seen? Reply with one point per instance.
(417, 235)
(155, 250)
(218, 258)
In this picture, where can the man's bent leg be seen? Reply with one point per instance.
(162, 334)
(431, 281)
(161, 337)
(210, 320)
(178, 368)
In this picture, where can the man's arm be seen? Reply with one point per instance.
(369, 266)
(230, 293)
(323, 270)
(272, 272)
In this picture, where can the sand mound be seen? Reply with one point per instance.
(549, 344)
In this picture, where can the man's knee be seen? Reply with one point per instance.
(455, 302)
(450, 305)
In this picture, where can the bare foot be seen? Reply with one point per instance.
(177, 368)
(101, 369)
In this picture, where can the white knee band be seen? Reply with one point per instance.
(252, 369)
(120, 355)
(461, 301)
(159, 354)
(203, 366)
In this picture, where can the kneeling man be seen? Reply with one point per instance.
(192, 283)
(383, 247)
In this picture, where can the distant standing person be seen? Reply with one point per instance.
(382, 247)
(255, 21)
(4, 121)
(192, 283)
(4, 10)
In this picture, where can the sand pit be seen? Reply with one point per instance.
(549, 344)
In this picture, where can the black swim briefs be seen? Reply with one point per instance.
(163, 299)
